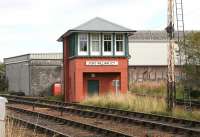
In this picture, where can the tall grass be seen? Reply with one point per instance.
(154, 88)
(145, 104)
(15, 129)
(128, 102)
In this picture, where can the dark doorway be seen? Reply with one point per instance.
(93, 87)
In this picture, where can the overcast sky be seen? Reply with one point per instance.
(33, 26)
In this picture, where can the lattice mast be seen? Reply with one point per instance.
(181, 40)
(171, 88)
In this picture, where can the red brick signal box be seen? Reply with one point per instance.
(95, 56)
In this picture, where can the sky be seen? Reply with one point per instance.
(33, 26)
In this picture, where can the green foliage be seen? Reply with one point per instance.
(3, 81)
(153, 88)
(191, 53)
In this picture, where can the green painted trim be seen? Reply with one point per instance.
(89, 48)
(97, 57)
(71, 45)
(76, 44)
(113, 42)
(126, 45)
(101, 46)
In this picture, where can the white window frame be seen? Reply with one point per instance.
(82, 53)
(95, 53)
(108, 53)
(119, 53)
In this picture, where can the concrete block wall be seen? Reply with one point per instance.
(17, 75)
(33, 74)
(44, 73)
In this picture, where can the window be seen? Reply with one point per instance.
(83, 44)
(95, 44)
(119, 44)
(107, 44)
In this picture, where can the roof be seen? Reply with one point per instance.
(33, 56)
(150, 35)
(97, 25)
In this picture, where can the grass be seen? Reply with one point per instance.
(155, 88)
(145, 104)
(15, 129)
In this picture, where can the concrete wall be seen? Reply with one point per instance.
(17, 75)
(44, 73)
(33, 76)
(151, 73)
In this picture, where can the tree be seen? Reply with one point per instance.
(3, 81)
(191, 52)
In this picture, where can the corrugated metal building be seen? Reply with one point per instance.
(33, 74)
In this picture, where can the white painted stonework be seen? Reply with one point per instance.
(101, 63)
(3, 101)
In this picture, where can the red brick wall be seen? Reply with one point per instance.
(76, 83)
(105, 82)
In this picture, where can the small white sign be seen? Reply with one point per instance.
(101, 63)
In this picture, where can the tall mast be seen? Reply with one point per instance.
(171, 88)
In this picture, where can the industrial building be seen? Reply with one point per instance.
(148, 61)
(95, 59)
(33, 74)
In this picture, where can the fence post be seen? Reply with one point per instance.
(3, 102)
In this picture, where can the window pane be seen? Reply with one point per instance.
(95, 37)
(82, 36)
(107, 45)
(83, 45)
(95, 46)
(107, 36)
(83, 40)
(119, 45)
(119, 36)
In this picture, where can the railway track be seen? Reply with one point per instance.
(37, 127)
(58, 126)
(164, 123)
(181, 102)
(194, 103)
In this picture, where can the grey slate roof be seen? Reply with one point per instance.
(97, 25)
(150, 35)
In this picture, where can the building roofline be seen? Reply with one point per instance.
(17, 56)
(97, 24)
(69, 32)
